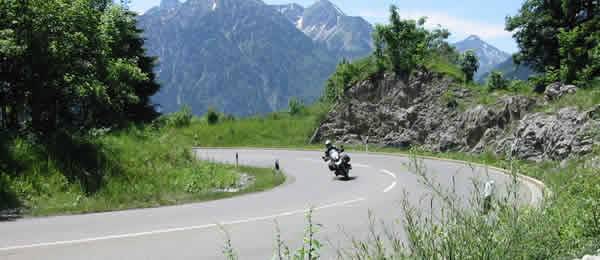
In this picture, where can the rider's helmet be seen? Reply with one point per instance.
(328, 144)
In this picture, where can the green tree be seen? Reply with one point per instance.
(341, 80)
(404, 44)
(72, 65)
(469, 65)
(496, 81)
(558, 34)
(295, 106)
(212, 116)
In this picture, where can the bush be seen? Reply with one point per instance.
(295, 106)
(449, 99)
(469, 64)
(212, 117)
(181, 118)
(496, 81)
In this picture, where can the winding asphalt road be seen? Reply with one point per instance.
(194, 231)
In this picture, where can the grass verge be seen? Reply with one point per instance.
(132, 168)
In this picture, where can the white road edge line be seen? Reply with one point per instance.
(389, 173)
(389, 188)
(171, 230)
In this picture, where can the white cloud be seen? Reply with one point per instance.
(459, 27)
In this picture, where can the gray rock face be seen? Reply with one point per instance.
(556, 90)
(393, 113)
(540, 136)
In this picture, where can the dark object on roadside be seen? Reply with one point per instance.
(277, 165)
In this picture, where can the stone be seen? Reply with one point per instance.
(556, 90)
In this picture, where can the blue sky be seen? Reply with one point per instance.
(462, 18)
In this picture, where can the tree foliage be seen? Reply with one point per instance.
(72, 65)
(559, 34)
(496, 81)
(469, 65)
(404, 44)
(346, 74)
(295, 106)
(212, 116)
(400, 47)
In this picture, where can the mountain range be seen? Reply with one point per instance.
(245, 57)
(489, 56)
(343, 35)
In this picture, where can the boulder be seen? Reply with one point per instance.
(540, 136)
(556, 90)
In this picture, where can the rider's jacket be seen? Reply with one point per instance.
(327, 150)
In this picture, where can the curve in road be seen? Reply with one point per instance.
(193, 231)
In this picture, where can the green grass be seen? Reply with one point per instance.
(583, 99)
(278, 129)
(143, 166)
(443, 66)
(132, 168)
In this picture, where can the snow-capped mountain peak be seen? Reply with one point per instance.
(327, 24)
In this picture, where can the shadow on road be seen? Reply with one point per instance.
(350, 178)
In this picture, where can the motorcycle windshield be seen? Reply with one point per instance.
(334, 155)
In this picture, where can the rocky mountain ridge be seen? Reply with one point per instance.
(325, 23)
(510, 70)
(241, 57)
(424, 112)
(488, 55)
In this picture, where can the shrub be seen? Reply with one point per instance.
(449, 99)
(228, 118)
(295, 106)
(212, 117)
(181, 118)
(469, 65)
(496, 81)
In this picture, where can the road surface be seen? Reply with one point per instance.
(195, 231)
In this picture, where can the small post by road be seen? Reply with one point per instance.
(366, 141)
(237, 160)
(488, 192)
(277, 165)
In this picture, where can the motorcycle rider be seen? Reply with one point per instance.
(341, 164)
(328, 147)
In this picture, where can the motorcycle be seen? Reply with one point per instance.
(338, 162)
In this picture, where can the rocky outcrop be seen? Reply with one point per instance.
(556, 90)
(555, 136)
(425, 112)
